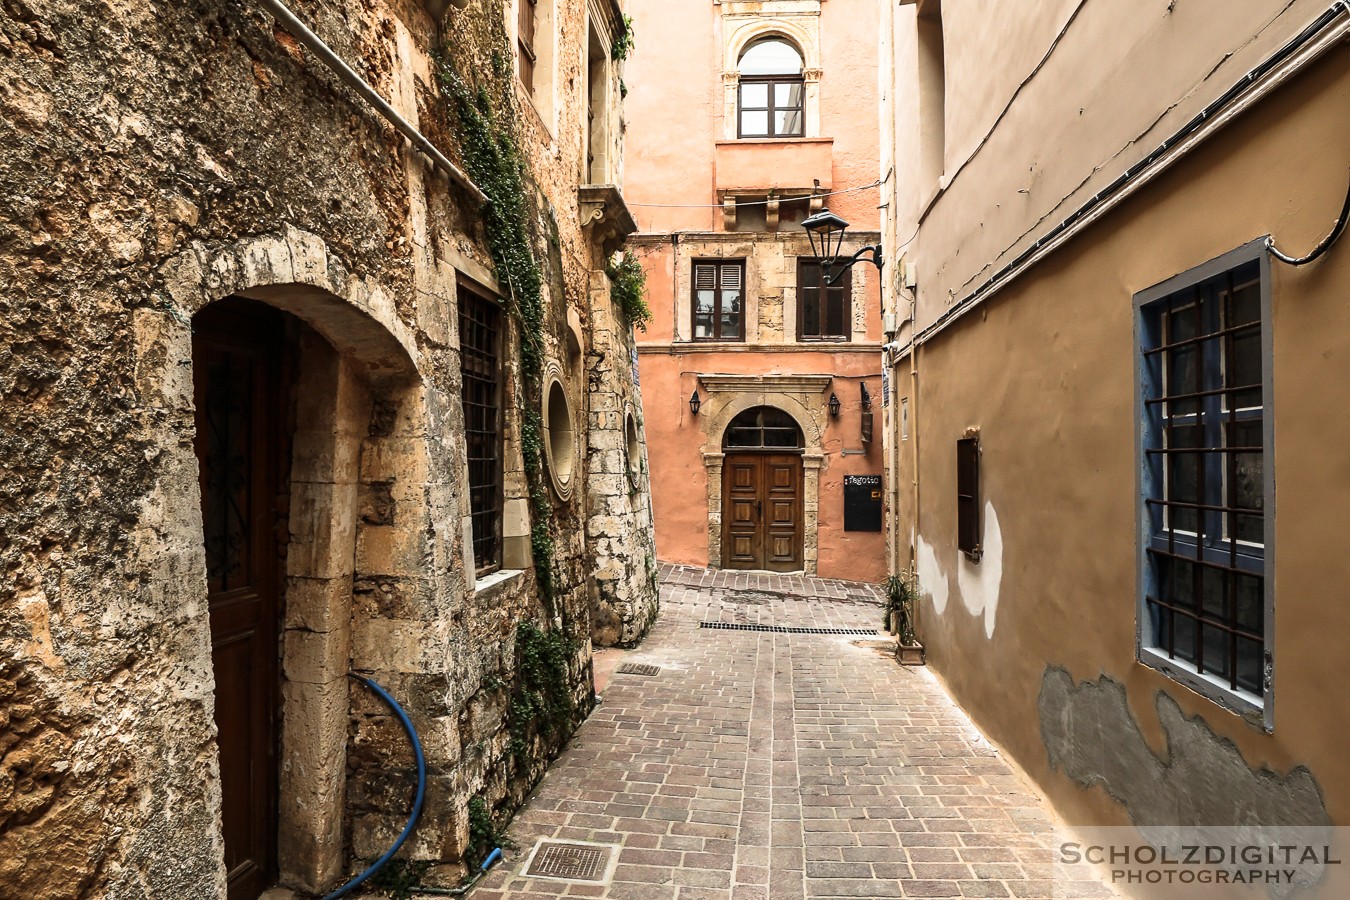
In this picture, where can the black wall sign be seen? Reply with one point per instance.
(862, 502)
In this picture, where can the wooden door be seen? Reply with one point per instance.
(236, 359)
(762, 511)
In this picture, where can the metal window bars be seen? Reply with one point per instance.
(1206, 599)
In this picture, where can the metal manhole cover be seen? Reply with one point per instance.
(638, 669)
(570, 861)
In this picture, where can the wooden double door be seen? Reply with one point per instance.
(242, 447)
(762, 511)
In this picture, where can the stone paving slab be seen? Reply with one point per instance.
(764, 766)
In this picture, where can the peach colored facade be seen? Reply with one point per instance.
(700, 192)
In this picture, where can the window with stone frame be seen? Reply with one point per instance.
(824, 312)
(718, 300)
(771, 91)
(480, 342)
(1204, 364)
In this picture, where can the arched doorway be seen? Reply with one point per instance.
(307, 419)
(240, 383)
(762, 496)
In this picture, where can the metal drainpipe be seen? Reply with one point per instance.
(348, 76)
(914, 439)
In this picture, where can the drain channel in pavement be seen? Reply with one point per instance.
(788, 629)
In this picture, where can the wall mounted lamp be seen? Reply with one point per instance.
(694, 402)
(866, 397)
(825, 231)
(834, 406)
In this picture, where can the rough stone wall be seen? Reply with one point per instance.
(623, 590)
(162, 156)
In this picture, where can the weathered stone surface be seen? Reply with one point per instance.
(158, 158)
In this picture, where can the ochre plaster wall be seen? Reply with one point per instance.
(1046, 373)
(1046, 104)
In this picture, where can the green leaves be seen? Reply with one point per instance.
(625, 42)
(628, 289)
(541, 703)
(493, 161)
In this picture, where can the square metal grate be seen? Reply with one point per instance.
(638, 669)
(788, 629)
(570, 862)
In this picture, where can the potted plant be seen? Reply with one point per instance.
(901, 593)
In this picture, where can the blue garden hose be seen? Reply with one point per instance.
(417, 801)
(463, 888)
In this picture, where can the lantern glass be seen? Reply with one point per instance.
(834, 405)
(825, 231)
(694, 402)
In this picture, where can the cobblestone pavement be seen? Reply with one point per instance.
(763, 765)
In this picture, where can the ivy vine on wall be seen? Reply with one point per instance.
(493, 161)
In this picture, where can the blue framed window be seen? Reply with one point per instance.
(1206, 481)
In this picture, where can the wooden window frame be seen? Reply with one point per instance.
(844, 284)
(719, 291)
(968, 497)
(772, 81)
(474, 306)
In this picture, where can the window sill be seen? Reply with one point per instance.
(775, 139)
(1254, 709)
(495, 583)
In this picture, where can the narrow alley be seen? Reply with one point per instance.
(761, 763)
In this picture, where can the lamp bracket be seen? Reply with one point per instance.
(875, 259)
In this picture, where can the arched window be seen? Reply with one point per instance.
(771, 90)
(762, 428)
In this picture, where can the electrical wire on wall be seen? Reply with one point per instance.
(1323, 246)
(852, 190)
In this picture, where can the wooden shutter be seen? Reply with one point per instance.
(968, 496)
(731, 276)
(705, 277)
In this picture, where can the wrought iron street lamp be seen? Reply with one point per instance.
(825, 231)
(834, 405)
(694, 402)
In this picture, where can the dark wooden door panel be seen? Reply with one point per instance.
(236, 354)
(762, 511)
(783, 525)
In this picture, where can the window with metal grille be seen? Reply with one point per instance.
(1206, 481)
(480, 341)
(526, 12)
(771, 91)
(968, 496)
(719, 298)
(824, 313)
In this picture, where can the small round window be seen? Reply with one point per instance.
(559, 438)
(634, 448)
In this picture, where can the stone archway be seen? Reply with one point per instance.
(360, 510)
(800, 397)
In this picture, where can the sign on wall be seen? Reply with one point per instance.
(862, 502)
